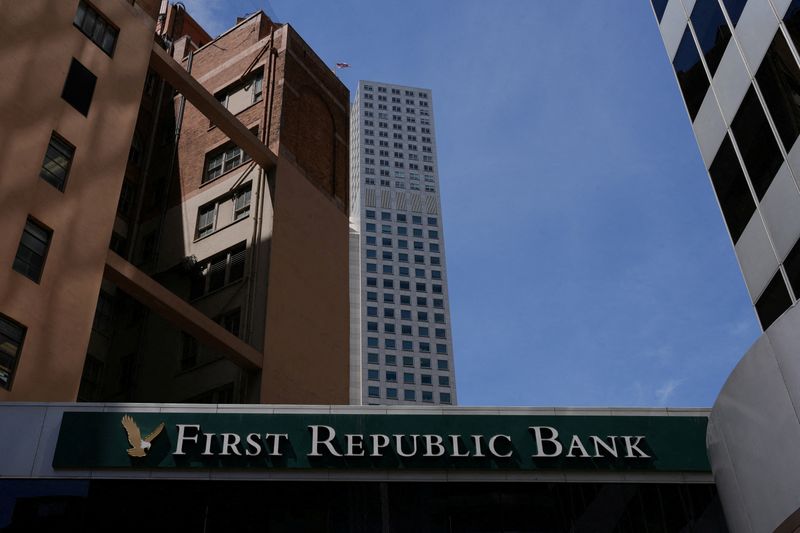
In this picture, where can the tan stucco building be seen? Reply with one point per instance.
(174, 206)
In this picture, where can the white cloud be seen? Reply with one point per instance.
(664, 393)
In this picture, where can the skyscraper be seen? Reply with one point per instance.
(737, 65)
(402, 337)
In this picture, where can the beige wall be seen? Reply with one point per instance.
(306, 358)
(38, 44)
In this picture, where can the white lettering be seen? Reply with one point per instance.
(209, 439)
(230, 443)
(378, 442)
(276, 446)
(494, 451)
(431, 442)
(398, 444)
(253, 444)
(315, 441)
(456, 440)
(354, 443)
(576, 444)
(631, 446)
(598, 443)
(540, 440)
(182, 437)
(478, 440)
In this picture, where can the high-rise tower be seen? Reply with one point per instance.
(738, 68)
(402, 337)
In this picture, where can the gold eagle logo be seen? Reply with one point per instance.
(139, 444)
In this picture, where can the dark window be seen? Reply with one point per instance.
(691, 74)
(96, 27)
(189, 350)
(731, 188)
(57, 161)
(792, 20)
(230, 320)
(792, 266)
(223, 160)
(32, 250)
(773, 301)
(734, 8)
(712, 31)
(758, 146)
(219, 270)
(79, 87)
(779, 80)
(12, 335)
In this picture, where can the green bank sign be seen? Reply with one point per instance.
(89, 440)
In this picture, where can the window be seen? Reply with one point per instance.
(408, 378)
(372, 282)
(388, 298)
(427, 396)
(372, 268)
(386, 255)
(231, 320)
(32, 250)
(691, 74)
(370, 227)
(712, 31)
(372, 342)
(205, 219)
(773, 301)
(444, 381)
(12, 335)
(441, 348)
(425, 347)
(433, 234)
(372, 296)
(425, 379)
(408, 361)
(424, 331)
(409, 395)
(372, 327)
(372, 311)
(79, 87)
(57, 161)
(388, 327)
(372, 358)
(438, 318)
(389, 344)
(434, 248)
(388, 312)
(444, 397)
(734, 8)
(374, 392)
(778, 78)
(96, 27)
(405, 314)
(370, 214)
(441, 364)
(659, 6)
(371, 241)
(760, 153)
(224, 160)
(425, 362)
(407, 345)
(240, 96)
(404, 298)
(391, 393)
(438, 303)
(373, 375)
(388, 269)
(391, 360)
(403, 271)
(218, 271)
(440, 333)
(422, 316)
(391, 376)
(422, 301)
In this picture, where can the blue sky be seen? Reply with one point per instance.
(588, 263)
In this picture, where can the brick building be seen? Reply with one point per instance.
(175, 209)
